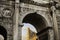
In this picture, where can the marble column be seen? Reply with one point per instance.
(15, 20)
(55, 26)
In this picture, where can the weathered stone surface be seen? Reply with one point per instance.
(7, 21)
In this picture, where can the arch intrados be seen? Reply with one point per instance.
(37, 15)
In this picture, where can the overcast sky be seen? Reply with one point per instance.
(25, 32)
(32, 28)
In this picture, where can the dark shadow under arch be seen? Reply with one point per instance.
(3, 32)
(38, 22)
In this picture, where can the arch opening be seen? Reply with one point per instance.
(36, 20)
(39, 23)
(3, 32)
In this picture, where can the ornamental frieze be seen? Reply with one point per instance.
(6, 12)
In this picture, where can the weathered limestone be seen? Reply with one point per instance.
(26, 9)
(15, 19)
(55, 26)
(51, 34)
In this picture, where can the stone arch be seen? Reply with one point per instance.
(38, 21)
(34, 17)
(45, 18)
(3, 32)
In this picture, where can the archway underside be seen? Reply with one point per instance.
(38, 22)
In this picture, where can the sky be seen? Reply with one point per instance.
(25, 33)
(32, 28)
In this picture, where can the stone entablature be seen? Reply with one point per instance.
(30, 6)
